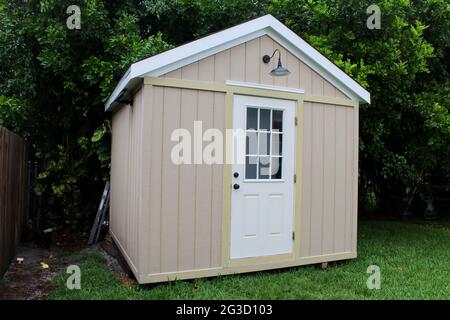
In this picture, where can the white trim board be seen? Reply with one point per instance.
(263, 86)
(266, 25)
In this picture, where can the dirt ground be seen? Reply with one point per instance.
(31, 281)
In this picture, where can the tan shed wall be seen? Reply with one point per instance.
(167, 218)
(244, 63)
(125, 173)
(181, 220)
(328, 210)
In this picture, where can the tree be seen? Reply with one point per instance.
(404, 65)
(54, 82)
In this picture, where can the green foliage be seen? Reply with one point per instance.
(54, 81)
(11, 113)
(404, 65)
(183, 20)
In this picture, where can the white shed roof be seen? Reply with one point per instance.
(267, 25)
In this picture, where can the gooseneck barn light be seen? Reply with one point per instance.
(279, 71)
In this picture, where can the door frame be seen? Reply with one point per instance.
(227, 183)
(282, 246)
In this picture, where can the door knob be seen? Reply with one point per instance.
(236, 174)
(236, 186)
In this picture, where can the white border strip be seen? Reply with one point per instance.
(263, 86)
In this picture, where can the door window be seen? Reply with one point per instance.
(264, 144)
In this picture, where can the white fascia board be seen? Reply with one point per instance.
(267, 25)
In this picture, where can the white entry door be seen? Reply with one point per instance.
(262, 208)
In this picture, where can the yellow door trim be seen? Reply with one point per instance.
(298, 184)
(226, 220)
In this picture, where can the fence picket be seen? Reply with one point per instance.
(13, 189)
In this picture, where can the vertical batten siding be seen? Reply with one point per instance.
(317, 179)
(217, 186)
(349, 127)
(203, 188)
(185, 201)
(135, 175)
(244, 63)
(237, 63)
(266, 47)
(156, 179)
(293, 64)
(340, 190)
(355, 190)
(328, 219)
(329, 179)
(126, 166)
(216, 68)
(170, 183)
(205, 114)
(119, 171)
(188, 173)
(221, 66)
(187, 187)
(145, 187)
(306, 176)
(252, 64)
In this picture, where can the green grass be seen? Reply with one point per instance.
(414, 261)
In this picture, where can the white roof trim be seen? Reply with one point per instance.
(267, 25)
(263, 86)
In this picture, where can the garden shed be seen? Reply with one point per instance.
(190, 198)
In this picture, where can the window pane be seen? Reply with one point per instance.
(264, 144)
(264, 119)
(252, 118)
(277, 144)
(251, 143)
(250, 167)
(276, 168)
(264, 170)
(277, 121)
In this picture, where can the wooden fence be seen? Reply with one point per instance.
(13, 194)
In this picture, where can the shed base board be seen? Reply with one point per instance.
(228, 270)
(212, 272)
(125, 256)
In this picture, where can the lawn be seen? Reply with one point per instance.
(414, 261)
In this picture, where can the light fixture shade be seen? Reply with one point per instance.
(279, 71)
